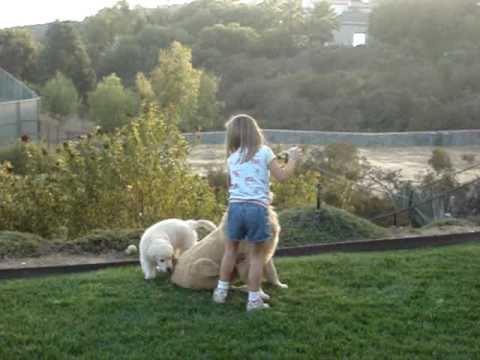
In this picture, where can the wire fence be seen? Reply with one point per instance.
(19, 110)
(416, 210)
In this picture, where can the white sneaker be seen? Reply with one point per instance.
(220, 296)
(257, 304)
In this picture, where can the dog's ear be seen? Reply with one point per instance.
(174, 261)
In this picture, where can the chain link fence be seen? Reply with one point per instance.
(19, 110)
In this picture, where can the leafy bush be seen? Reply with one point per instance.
(344, 179)
(60, 97)
(128, 179)
(217, 179)
(329, 224)
(440, 161)
(110, 104)
(102, 241)
(469, 158)
(24, 157)
(17, 244)
(448, 222)
(16, 156)
(298, 191)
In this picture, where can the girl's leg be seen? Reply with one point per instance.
(255, 273)
(226, 269)
(256, 266)
(228, 260)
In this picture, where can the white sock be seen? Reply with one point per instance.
(224, 285)
(254, 296)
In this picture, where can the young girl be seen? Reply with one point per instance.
(249, 163)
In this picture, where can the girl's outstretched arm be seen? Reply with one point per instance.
(282, 174)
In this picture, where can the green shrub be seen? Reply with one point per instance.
(309, 226)
(440, 161)
(17, 244)
(298, 191)
(475, 220)
(25, 157)
(128, 179)
(469, 158)
(217, 179)
(448, 222)
(102, 241)
(16, 156)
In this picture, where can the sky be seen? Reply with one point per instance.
(30, 12)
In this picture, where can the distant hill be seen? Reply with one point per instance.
(39, 30)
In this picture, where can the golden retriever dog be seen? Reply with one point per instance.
(162, 242)
(199, 266)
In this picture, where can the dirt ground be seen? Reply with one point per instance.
(412, 161)
(62, 259)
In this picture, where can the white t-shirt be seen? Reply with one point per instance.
(250, 180)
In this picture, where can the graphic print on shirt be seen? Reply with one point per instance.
(250, 179)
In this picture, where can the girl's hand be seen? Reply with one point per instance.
(294, 153)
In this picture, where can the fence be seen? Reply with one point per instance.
(420, 138)
(19, 110)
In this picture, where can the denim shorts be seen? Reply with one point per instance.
(248, 221)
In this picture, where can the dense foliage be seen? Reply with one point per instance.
(419, 72)
(129, 179)
(327, 225)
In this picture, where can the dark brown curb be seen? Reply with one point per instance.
(380, 245)
(29, 272)
(350, 246)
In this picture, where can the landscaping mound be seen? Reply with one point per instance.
(102, 241)
(311, 226)
(18, 244)
(449, 222)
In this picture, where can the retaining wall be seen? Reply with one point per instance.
(423, 138)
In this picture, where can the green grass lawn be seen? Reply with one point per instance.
(405, 305)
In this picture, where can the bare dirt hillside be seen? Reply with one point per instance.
(412, 161)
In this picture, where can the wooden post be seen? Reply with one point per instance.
(319, 200)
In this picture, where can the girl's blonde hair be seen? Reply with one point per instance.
(243, 133)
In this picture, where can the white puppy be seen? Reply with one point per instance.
(162, 242)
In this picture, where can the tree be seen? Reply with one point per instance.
(65, 52)
(144, 88)
(18, 53)
(125, 59)
(110, 104)
(292, 16)
(207, 105)
(101, 30)
(60, 97)
(320, 22)
(176, 83)
(229, 39)
(220, 41)
(428, 28)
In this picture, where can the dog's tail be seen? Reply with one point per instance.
(206, 224)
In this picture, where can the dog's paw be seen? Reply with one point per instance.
(264, 295)
(282, 285)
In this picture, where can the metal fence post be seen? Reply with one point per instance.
(19, 120)
(319, 201)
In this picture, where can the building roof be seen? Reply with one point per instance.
(12, 89)
(354, 16)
